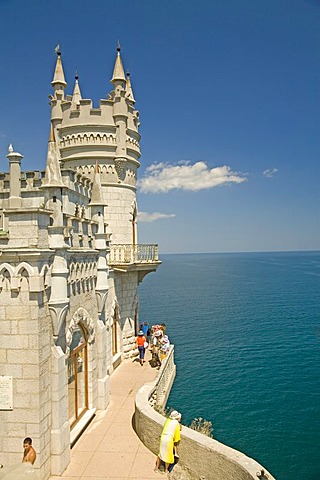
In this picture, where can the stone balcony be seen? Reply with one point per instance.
(142, 258)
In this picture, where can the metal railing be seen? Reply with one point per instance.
(128, 253)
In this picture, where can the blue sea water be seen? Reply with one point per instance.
(246, 329)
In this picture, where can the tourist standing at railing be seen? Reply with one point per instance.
(156, 345)
(165, 347)
(141, 342)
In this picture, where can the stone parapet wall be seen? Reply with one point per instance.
(202, 458)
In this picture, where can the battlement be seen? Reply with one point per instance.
(30, 180)
(83, 113)
(35, 180)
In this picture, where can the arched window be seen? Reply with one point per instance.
(5, 280)
(78, 375)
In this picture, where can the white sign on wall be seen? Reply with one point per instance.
(6, 396)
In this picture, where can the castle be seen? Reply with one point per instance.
(70, 266)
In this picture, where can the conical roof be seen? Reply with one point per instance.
(76, 96)
(58, 76)
(118, 71)
(129, 91)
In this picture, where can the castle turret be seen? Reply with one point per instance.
(120, 109)
(107, 136)
(59, 84)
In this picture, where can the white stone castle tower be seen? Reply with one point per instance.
(70, 266)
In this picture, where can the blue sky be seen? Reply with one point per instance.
(229, 99)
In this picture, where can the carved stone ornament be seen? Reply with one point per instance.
(101, 297)
(58, 311)
(120, 164)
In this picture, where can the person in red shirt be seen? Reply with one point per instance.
(140, 341)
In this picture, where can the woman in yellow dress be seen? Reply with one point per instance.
(170, 436)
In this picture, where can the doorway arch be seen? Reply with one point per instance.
(79, 335)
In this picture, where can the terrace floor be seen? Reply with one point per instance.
(109, 448)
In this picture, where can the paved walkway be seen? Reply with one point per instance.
(109, 448)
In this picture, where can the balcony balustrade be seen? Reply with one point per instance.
(121, 254)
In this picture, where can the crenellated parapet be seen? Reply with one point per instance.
(30, 180)
(46, 209)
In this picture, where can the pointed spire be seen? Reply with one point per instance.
(129, 91)
(96, 193)
(58, 77)
(76, 96)
(118, 72)
(53, 172)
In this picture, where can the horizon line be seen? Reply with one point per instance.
(241, 251)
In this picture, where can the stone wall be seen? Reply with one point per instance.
(25, 354)
(119, 218)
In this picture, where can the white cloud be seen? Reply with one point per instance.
(152, 217)
(270, 172)
(162, 177)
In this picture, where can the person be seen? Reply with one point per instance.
(149, 334)
(165, 347)
(156, 344)
(145, 328)
(29, 454)
(140, 341)
(170, 436)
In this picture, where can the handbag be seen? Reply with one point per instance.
(146, 344)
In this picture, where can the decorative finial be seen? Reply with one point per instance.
(57, 50)
(10, 149)
(128, 73)
(76, 76)
(118, 46)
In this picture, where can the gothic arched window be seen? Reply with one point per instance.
(78, 375)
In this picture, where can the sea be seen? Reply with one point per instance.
(246, 331)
